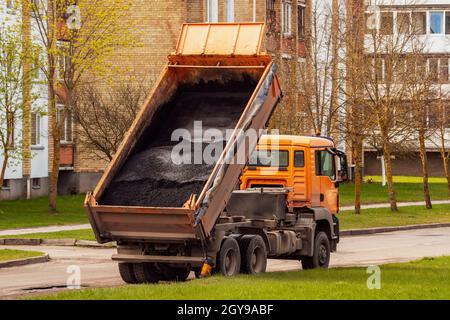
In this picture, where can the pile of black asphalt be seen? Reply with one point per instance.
(156, 174)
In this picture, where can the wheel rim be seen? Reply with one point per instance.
(257, 261)
(323, 254)
(230, 262)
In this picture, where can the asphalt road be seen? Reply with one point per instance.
(97, 270)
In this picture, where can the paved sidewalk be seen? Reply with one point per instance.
(399, 204)
(12, 232)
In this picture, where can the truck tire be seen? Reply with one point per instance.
(321, 254)
(229, 258)
(253, 254)
(170, 273)
(146, 273)
(127, 273)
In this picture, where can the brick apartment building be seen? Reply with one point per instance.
(159, 25)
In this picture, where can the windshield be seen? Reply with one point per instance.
(269, 158)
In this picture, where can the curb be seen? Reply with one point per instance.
(361, 232)
(55, 242)
(23, 262)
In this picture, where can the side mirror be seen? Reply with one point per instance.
(343, 167)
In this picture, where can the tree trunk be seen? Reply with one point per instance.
(55, 140)
(358, 176)
(423, 159)
(446, 171)
(54, 125)
(4, 165)
(332, 121)
(390, 180)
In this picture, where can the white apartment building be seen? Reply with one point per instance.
(17, 184)
(430, 20)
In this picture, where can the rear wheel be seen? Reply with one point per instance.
(146, 273)
(229, 258)
(170, 273)
(321, 254)
(127, 272)
(253, 254)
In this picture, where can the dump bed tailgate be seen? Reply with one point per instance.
(131, 223)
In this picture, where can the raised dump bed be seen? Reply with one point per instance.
(219, 76)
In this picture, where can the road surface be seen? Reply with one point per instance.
(97, 270)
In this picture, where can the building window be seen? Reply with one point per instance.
(286, 18)
(379, 69)
(63, 59)
(270, 5)
(229, 7)
(67, 128)
(419, 22)
(35, 129)
(403, 22)
(436, 22)
(212, 11)
(443, 69)
(433, 68)
(301, 22)
(6, 184)
(447, 22)
(386, 23)
(36, 183)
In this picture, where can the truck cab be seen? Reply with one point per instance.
(310, 168)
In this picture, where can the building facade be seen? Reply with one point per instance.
(428, 21)
(27, 174)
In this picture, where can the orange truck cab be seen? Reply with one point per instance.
(308, 167)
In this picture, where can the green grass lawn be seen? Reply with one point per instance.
(384, 217)
(424, 279)
(406, 188)
(34, 212)
(87, 234)
(7, 254)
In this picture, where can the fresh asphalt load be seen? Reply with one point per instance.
(150, 176)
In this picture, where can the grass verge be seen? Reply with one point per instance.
(384, 217)
(7, 254)
(87, 234)
(407, 189)
(34, 212)
(424, 279)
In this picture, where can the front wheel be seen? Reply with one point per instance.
(321, 254)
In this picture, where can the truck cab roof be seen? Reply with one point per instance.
(291, 140)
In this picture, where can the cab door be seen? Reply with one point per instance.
(325, 165)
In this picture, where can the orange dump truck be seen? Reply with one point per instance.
(171, 214)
